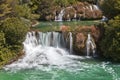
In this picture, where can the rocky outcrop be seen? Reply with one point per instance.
(80, 38)
(64, 28)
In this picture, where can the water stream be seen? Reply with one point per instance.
(90, 45)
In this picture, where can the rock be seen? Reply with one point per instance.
(80, 40)
(80, 37)
(64, 28)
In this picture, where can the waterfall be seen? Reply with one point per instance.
(48, 39)
(47, 49)
(96, 7)
(90, 45)
(68, 17)
(91, 8)
(75, 15)
(60, 16)
(71, 43)
(42, 48)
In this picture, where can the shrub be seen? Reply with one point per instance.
(110, 44)
(14, 30)
(2, 39)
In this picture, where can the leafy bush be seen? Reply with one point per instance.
(23, 11)
(15, 30)
(2, 39)
(110, 45)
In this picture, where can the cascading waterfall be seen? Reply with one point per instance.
(96, 7)
(90, 45)
(47, 61)
(75, 15)
(53, 39)
(42, 48)
(47, 49)
(91, 8)
(71, 43)
(60, 16)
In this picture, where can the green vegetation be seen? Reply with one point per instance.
(110, 44)
(13, 28)
(111, 8)
(14, 32)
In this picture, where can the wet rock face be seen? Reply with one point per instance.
(64, 28)
(79, 43)
(69, 13)
(95, 32)
(80, 38)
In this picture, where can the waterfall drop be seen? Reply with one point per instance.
(48, 49)
(90, 45)
(60, 16)
(43, 48)
(96, 7)
(71, 43)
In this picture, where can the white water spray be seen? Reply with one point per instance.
(43, 49)
(96, 7)
(71, 43)
(91, 8)
(60, 16)
(90, 45)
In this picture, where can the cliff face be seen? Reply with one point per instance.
(80, 37)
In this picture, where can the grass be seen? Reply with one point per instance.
(55, 26)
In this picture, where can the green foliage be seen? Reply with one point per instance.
(62, 3)
(6, 56)
(111, 8)
(23, 11)
(45, 9)
(14, 30)
(2, 40)
(5, 11)
(110, 45)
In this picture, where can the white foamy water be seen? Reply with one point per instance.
(90, 45)
(60, 16)
(47, 49)
(43, 49)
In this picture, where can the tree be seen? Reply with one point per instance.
(45, 8)
(14, 32)
(111, 8)
(5, 11)
(110, 44)
(2, 40)
(23, 11)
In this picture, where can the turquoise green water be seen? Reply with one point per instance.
(79, 70)
(54, 26)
